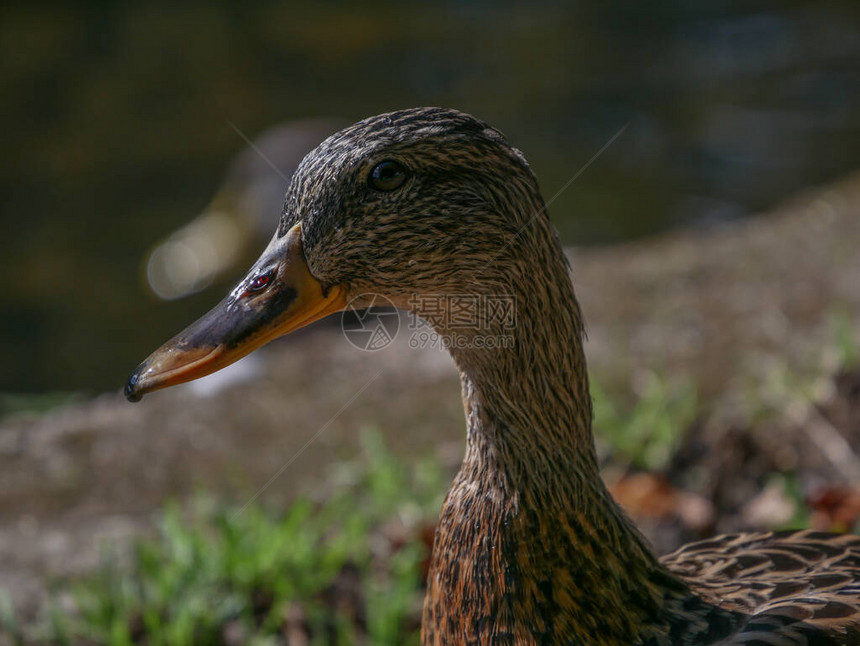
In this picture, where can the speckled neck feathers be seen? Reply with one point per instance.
(530, 547)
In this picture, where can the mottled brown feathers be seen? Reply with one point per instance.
(796, 584)
(530, 547)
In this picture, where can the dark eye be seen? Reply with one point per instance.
(386, 176)
(259, 283)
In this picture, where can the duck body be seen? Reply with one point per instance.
(530, 547)
(510, 569)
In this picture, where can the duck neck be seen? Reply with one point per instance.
(528, 513)
(525, 389)
(528, 408)
(524, 377)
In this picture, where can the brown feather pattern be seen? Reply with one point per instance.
(530, 547)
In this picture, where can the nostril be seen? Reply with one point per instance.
(259, 283)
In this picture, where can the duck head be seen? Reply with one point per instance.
(408, 203)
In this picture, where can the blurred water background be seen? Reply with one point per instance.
(120, 121)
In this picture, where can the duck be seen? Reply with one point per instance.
(240, 216)
(424, 206)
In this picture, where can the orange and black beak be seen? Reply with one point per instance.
(279, 296)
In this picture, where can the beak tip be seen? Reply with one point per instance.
(130, 391)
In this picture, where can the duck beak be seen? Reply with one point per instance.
(248, 318)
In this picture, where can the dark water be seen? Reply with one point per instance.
(116, 129)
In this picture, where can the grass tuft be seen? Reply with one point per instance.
(645, 435)
(347, 570)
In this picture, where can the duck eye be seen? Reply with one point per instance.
(259, 283)
(386, 176)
